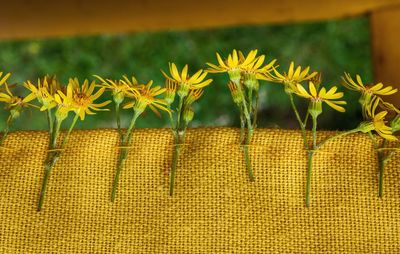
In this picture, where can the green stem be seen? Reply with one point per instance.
(123, 156)
(381, 161)
(242, 124)
(248, 138)
(179, 138)
(301, 123)
(47, 171)
(337, 136)
(250, 106)
(52, 158)
(310, 162)
(118, 116)
(50, 122)
(6, 129)
(314, 132)
(180, 113)
(69, 131)
(256, 110)
(309, 176)
(175, 157)
(246, 151)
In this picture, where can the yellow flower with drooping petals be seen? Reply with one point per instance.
(367, 91)
(235, 64)
(80, 98)
(119, 88)
(377, 89)
(44, 91)
(185, 81)
(379, 122)
(330, 97)
(291, 78)
(145, 96)
(13, 102)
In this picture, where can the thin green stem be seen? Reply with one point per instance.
(6, 129)
(314, 132)
(179, 139)
(123, 155)
(256, 110)
(309, 176)
(47, 172)
(50, 122)
(337, 136)
(310, 162)
(242, 124)
(52, 158)
(175, 158)
(180, 113)
(118, 118)
(69, 131)
(301, 123)
(246, 150)
(250, 106)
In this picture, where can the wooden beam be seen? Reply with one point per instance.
(48, 18)
(385, 34)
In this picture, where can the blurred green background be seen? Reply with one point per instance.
(331, 47)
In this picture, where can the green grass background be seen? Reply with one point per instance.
(331, 47)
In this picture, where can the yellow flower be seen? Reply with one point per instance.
(120, 88)
(4, 79)
(80, 98)
(14, 103)
(145, 96)
(255, 66)
(44, 91)
(379, 123)
(317, 97)
(170, 91)
(186, 82)
(234, 64)
(367, 91)
(292, 77)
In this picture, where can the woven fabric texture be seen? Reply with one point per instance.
(215, 209)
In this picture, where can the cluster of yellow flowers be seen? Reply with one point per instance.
(245, 73)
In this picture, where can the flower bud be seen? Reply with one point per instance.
(169, 96)
(315, 108)
(118, 97)
(234, 76)
(237, 95)
(366, 126)
(250, 81)
(365, 99)
(62, 113)
(288, 87)
(139, 106)
(183, 89)
(188, 115)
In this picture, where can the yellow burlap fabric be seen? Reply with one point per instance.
(215, 208)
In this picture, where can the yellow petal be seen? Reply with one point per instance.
(312, 89)
(334, 106)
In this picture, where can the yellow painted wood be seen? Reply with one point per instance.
(385, 34)
(34, 19)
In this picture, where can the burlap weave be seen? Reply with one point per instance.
(215, 208)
